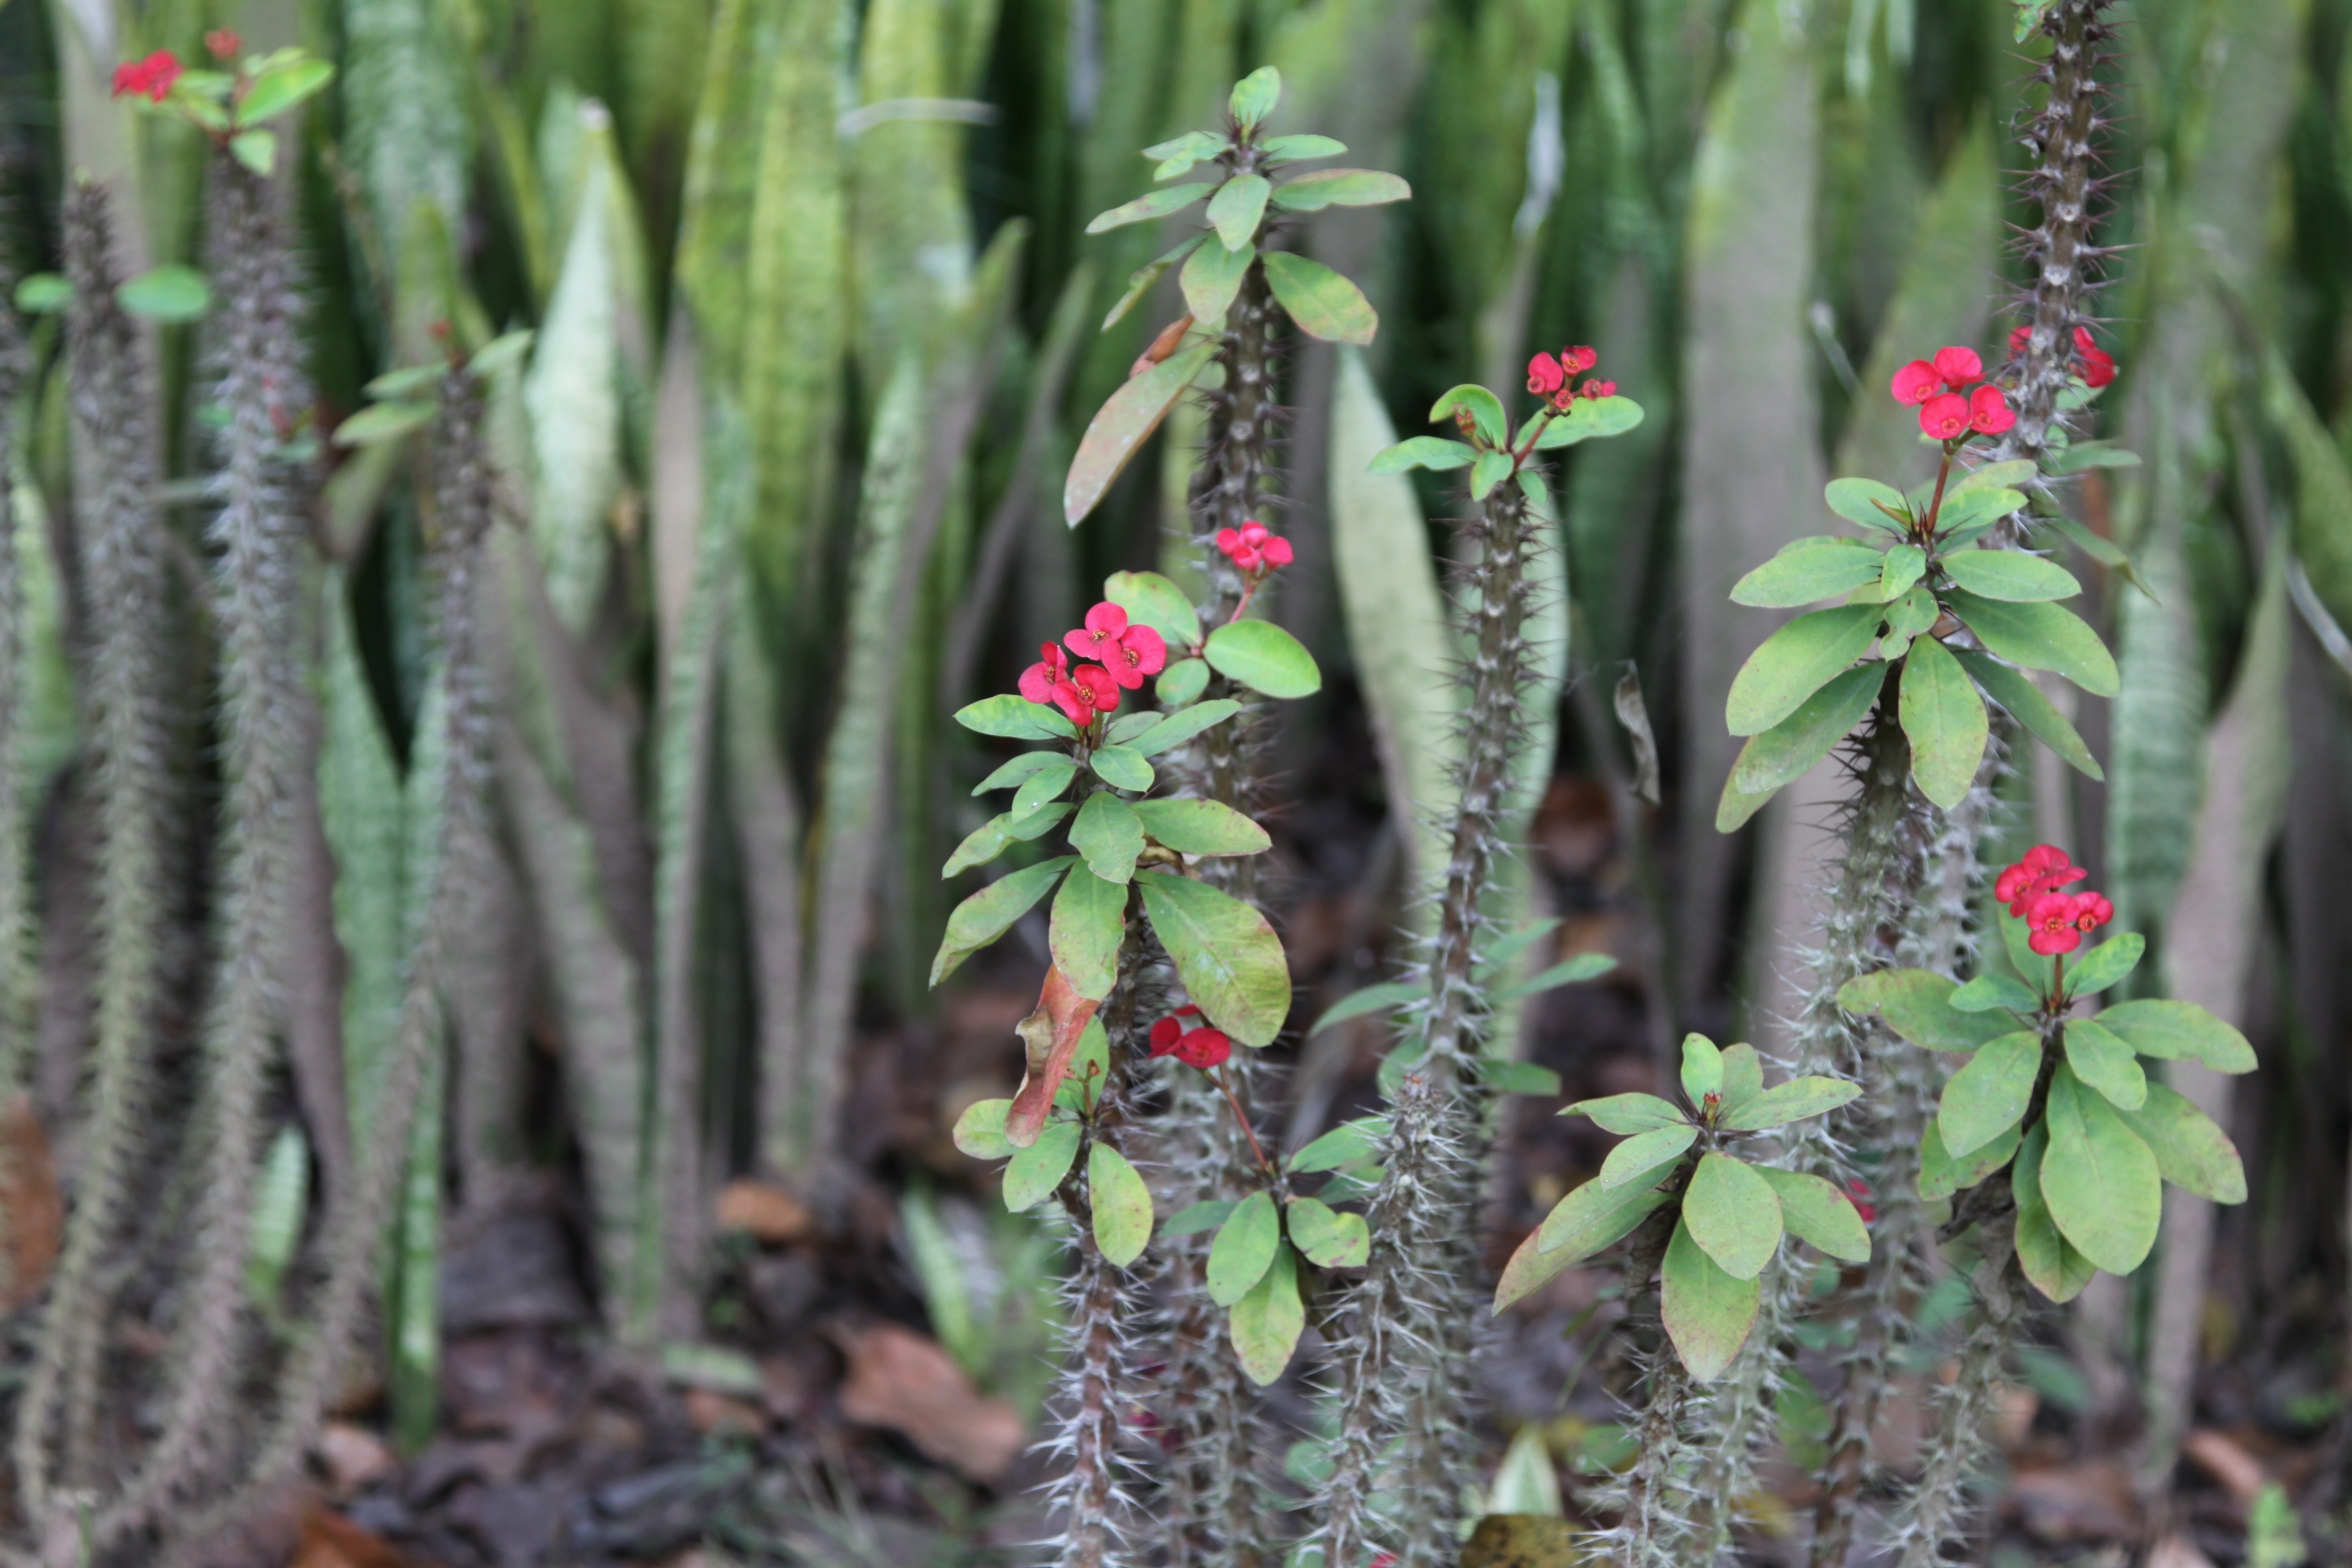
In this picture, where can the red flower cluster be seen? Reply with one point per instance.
(153, 76)
(1550, 377)
(1199, 1047)
(1947, 411)
(2057, 920)
(1252, 549)
(223, 43)
(2097, 365)
(1128, 653)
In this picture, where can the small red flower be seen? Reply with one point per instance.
(2051, 917)
(1597, 387)
(1959, 366)
(2045, 870)
(1576, 360)
(2098, 365)
(2091, 910)
(1945, 416)
(1203, 1048)
(1037, 681)
(1251, 548)
(1089, 690)
(1385, 1560)
(224, 43)
(1545, 374)
(1989, 410)
(1918, 382)
(2017, 336)
(1129, 652)
(153, 76)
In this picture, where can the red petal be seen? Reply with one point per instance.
(1146, 650)
(1037, 683)
(1959, 366)
(1106, 619)
(1277, 552)
(1916, 383)
(1944, 417)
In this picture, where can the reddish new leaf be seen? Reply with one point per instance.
(1051, 1034)
(1122, 426)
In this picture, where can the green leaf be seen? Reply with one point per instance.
(1734, 1214)
(989, 840)
(1148, 205)
(500, 354)
(1123, 423)
(1155, 601)
(1589, 418)
(1814, 1211)
(2003, 476)
(1905, 564)
(1627, 1115)
(1860, 501)
(1263, 658)
(39, 293)
(1786, 752)
(1294, 149)
(1183, 151)
(2191, 1151)
(990, 913)
(1495, 958)
(1109, 834)
(1518, 1078)
(2106, 965)
(1330, 1239)
(1228, 957)
(1350, 1144)
(1341, 188)
(1121, 1204)
(2102, 1062)
(1993, 989)
(1743, 1077)
(2180, 1031)
(1567, 972)
(1038, 823)
(2099, 1178)
(2106, 552)
(1020, 770)
(1489, 470)
(1194, 1218)
(980, 1130)
(1037, 1169)
(1235, 209)
(1791, 1101)
(1945, 721)
(2039, 637)
(1245, 1246)
(2047, 1258)
(1907, 617)
(406, 382)
(1434, 453)
(2010, 574)
(1088, 1065)
(1594, 1217)
(257, 150)
(1324, 304)
(1918, 1005)
(1015, 719)
(1200, 827)
(1123, 729)
(1369, 999)
(1964, 517)
(1707, 1311)
(2015, 941)
(1702, 1068)
(1267, 1321)
(1940, 1175)
(1485, 411)
(1212, 277)
(1990, 1093)
(1795, 662)
(1174, 729)
(1811, 570)
(1255, 96)
(1122, 767)
(1180, 682)
(172, 293)
(2016, 691)
(280, 88)
(1638, 1161)
(1141, 281)
(1043, 786)
(388, 422)
(1089, 922)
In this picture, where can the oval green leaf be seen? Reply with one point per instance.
(1324, 304)
(1267, 1321)
(1626, 1114)
(1088, 924)
(2180, 1031)
(1109, 835)
(1015, 719)
(1043, 786)
(1174, 729)
(1786, 752)
(1588, 419)
(1180, 682)
(2015, 690)
(170, 293)
(1485, 411)
(2191, 1151)
(2102, 1062)
(1122, 767)
(1159, 604)
(2011, 574)
(1330, 1238)
(1707, 1311)
(1945, 721)
(1370, 999)
(1243, 1249)
(2104, 965)
(1263, 658)
(1121, 1204)
(1593, 1217)
(1228, 957)
(1255, 96)
(1795, 662)
(1212, 278)
(1791, 1101)
(1808, 572)
(980, 1130)
(1341, 188)
(2049, 1261)
(1859, 500)
(1940, 1175)
(2039, 637)
(1815, 1212)
(1702, 1070)
(1037, 1169)
(384, 422)
(2099, 1178)
(1434, 453)
(1918, 1005)
(990, 913)
(1148, 205)
(1201, 828)
(1990, 1093)
(1638, 1161)
(1734, 1214)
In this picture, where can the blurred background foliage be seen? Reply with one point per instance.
(814, 337)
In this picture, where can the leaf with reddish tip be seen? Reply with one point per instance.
(1051, 1035)
(1123, 423)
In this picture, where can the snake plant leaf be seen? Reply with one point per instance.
(1243, 1249)
(1734, 1214)
(1786, 752)
(2191, 1151)
(1226, 954)
(1121, 1204)
(2180, 1031)
(990, 913)
(1212, 278)
(1593, 1217)
(1990, 1093)
(1795, 662)
(1123, 423)
(1434, 453)
(1330, 1238)
(1263, 658)
(2010, 574)
(2049, 1261)
(1708, 1312)
(1323, 303)
(1200, 827)
(2102, 1062)
(2106, 965)
(1037, 1169)
(1815, 1212)
(1945, 721)
(2039, 637)
(1811, 570)
(1341, 188)
(2014, 690)
(2099, 1178)
(1266, 1322)
(1148, 205)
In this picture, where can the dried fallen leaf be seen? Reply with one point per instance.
(1051, 1035)
(770, 1214)
(354, 1456)
(2225, 1460)
(331, 1540)
(2178, 1552)
(32, 1212)
(722, 1416)
(904, 1383)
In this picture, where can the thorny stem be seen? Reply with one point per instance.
(15, 884)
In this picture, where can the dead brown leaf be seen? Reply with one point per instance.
(331, 1540)
(904, 1383)
(771, 1215)
(32, 1211)
(1051, 1035)
(720, 1414)
(354, 1456)
(2178, 1552)
(2221, 1456)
